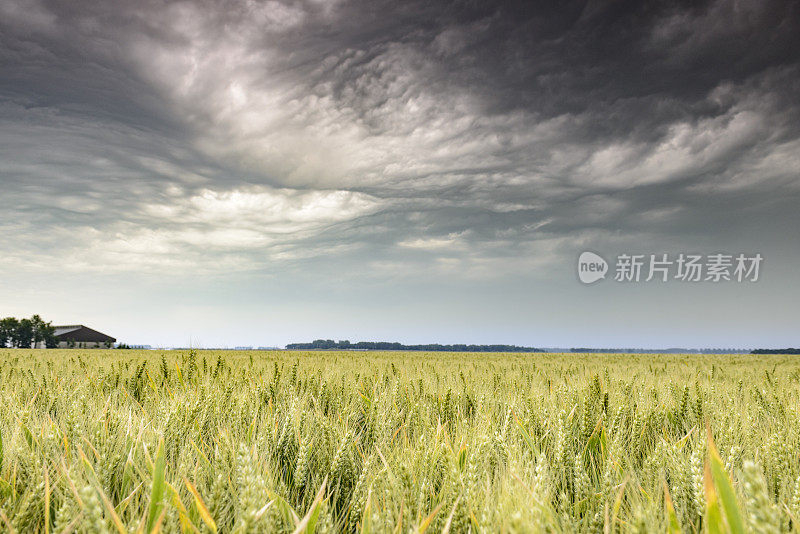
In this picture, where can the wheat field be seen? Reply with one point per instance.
(204, 441)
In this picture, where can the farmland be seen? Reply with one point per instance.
(135, 441)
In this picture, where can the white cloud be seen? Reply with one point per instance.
(224, 230)
(437, 244)
(273, 210)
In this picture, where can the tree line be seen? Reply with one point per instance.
(27, 333)
(329, 344)
(671, 350)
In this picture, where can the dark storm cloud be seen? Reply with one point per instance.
(214, 135)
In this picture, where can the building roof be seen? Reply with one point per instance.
(81, 334)
(60, 330)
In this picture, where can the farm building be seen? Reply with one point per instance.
(80, 336)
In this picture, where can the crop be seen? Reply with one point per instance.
(203, 441)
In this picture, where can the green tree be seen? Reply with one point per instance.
(50, 340)
(39, 327)
(43, 332)
(23, 337)
(8, 331)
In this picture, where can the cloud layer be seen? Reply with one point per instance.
(470, 139)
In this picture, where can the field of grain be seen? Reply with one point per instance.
(132, 441)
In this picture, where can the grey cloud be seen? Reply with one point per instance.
(482, 127)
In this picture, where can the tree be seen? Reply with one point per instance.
(8, 331)
(48, 333)
(23, 337)
(43, 332)
(50, 340)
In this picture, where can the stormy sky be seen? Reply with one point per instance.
(257, 173)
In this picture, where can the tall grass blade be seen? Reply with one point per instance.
(309, 522)
(202, 509)
(673, 525)
(156, 508)
(725, 488)
(713, 518)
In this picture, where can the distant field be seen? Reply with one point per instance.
(142, 441)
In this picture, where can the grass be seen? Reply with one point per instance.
(130, 441)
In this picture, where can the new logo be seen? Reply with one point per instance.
(591, 267)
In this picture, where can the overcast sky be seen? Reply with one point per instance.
(258, 173)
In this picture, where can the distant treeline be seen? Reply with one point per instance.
(329, 344)
(672, 350)
(27, 333)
